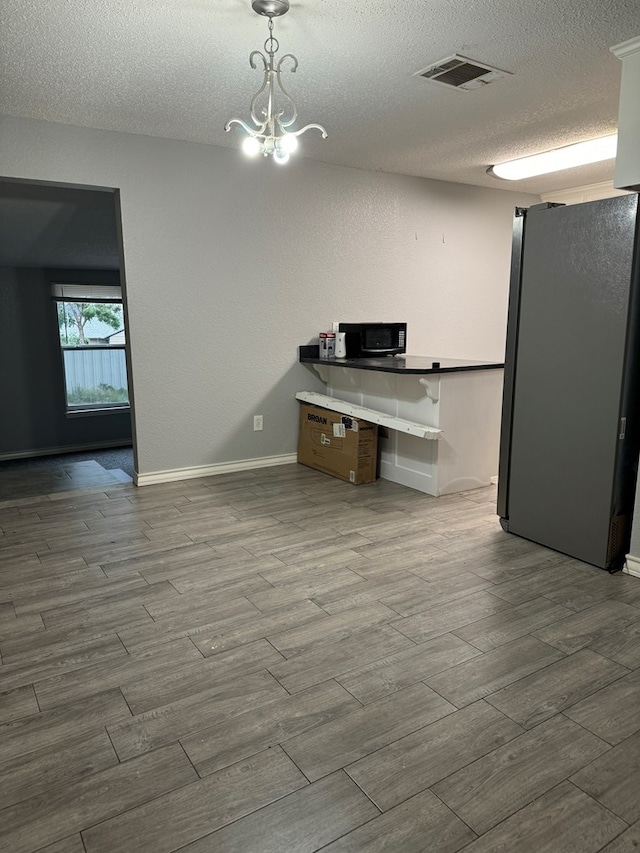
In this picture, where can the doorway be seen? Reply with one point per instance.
(52, 235)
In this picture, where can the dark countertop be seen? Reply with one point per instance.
(400, 364)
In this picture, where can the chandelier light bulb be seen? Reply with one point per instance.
(251, 146)
(289, 143)
(272, 110)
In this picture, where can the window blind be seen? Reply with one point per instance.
(86, 292)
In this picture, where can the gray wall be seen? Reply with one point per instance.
(230, 264)
(31, 377)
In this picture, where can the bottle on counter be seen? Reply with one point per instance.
(327, 341)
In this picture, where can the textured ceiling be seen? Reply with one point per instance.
(179, 69)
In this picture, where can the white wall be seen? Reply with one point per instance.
(230, 264)
(589, 192)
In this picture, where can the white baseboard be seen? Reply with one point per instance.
(212, 470)
(632, 566)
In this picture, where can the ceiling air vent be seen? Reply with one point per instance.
(458, 72)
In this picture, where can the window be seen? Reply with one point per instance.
(92, 340)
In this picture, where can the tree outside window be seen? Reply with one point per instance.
(73, 318)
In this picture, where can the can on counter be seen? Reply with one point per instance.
(327, 342)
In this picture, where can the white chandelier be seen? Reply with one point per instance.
(272, 133)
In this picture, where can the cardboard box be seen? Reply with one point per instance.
(339, 445)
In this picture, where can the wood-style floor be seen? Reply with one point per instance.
(279, 662)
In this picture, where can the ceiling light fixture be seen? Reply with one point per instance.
(580, 154)
(271, 134)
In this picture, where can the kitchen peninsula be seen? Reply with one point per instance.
(460, 398)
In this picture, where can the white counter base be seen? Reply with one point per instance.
(465, 405)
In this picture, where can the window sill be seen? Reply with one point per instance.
(88, 413)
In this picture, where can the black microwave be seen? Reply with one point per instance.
(368, 340)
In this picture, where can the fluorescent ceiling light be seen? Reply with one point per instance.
(580, 154)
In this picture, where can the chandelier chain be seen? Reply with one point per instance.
(271, 41)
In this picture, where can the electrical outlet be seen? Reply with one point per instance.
(335, 326)
(258, 423)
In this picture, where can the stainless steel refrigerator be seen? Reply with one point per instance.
(570, 434)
